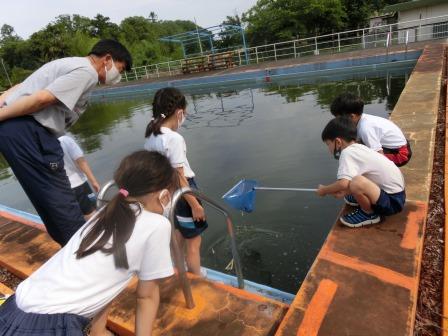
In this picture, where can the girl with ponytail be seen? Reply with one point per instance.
(169, 111)
(73, 289)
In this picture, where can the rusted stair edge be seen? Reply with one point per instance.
(113, 324)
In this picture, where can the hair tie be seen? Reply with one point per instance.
(163, 115)
(124, 192)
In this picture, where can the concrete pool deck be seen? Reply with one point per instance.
(365, 281)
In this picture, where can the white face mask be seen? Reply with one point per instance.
(182, 119)
(113, 76)
(165, 202)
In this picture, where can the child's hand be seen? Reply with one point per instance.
(320, 190)
(96, 187)
(198, 213)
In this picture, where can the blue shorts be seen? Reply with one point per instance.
(82, 194)
(389, 204)
(184, 222)
(15, 322)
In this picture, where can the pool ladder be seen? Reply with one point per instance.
(177, 252)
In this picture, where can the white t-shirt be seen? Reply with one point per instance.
(172, 145)
(376, 133)
(85, 286)
(70, 80)
(358, 159)
(72, 152)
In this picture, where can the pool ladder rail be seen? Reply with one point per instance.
(178, 255)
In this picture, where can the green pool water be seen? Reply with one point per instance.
(269, 132)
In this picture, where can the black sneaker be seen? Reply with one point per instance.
(351, 200)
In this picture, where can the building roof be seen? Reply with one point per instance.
(411, 5)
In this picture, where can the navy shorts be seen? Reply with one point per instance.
(15, 322)
(184, 222)
(37, 160)
(389, 204)
(83, 194)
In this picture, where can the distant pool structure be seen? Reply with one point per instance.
(267, 131)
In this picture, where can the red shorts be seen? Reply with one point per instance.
(399, 156)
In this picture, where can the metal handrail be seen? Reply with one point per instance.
(298, 47)
(177, 251)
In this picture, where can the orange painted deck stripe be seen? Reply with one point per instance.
(379, 272)
(317, 308)
(410, 235)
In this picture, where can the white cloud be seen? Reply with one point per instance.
(28, 16)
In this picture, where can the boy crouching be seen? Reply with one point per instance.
(366, 179)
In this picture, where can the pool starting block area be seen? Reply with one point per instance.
(363, 282)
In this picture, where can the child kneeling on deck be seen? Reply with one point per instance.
(73, 290)
(367, 179)
(380, 134)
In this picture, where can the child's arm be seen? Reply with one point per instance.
(338, 188)
(196, 207)
(85, 168)
(147, 304)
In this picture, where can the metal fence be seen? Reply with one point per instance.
(365, 38)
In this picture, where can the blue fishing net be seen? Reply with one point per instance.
(242, 196)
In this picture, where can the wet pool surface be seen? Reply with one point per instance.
(269, 132)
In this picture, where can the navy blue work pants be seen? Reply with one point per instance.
(37, 160)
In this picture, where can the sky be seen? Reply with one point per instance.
(29, 16)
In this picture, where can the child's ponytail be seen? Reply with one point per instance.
(139, 174)
(166, 102)
(117, 222)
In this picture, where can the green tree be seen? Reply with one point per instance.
(153, 17)
(276, 20)
(102, 27)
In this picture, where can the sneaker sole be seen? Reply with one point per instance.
(365, 223)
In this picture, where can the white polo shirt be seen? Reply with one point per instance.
(85, 286)
(72, 152)
(376, 133)
(172, 145)
(358, 159)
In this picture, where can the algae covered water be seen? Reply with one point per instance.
(269, 132)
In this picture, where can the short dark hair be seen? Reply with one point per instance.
(347, 103)
(340, 127)
(115, 49)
